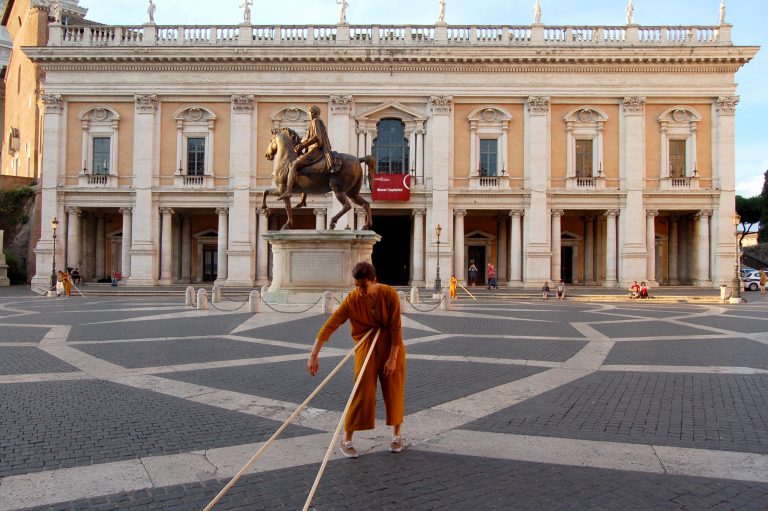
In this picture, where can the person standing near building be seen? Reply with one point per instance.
(370, 306)
(453, 284)
(763, 279)
(492, 277)
(472, 273)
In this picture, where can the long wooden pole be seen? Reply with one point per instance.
(465, 289)
(341, 421)
(287, 422)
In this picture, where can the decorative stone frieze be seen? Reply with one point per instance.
(538, 105)
(340, 103)
(634, 105)
(726, 105)
(441, 105)
(146, 103)
(54, 104)
(242, 103)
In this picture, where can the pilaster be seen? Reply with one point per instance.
(633, 250)
(441, 111)
(724, 174)
(537, 251)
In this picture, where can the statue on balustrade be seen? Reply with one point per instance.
(316, 171)
(246, 6)
(537, 13)
(342, 11)
(151, 11)
(630, 13)
(441, 15)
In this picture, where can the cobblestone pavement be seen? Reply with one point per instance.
(144, 404)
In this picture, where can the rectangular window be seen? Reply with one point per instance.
(195, 156)
(489, 156)
(101, 155)
(584, 158)
(677, 158)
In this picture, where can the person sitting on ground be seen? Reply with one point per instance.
(634, 290)
(644, 290)
(560, 290)
(545, 290)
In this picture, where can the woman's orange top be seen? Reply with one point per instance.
(384, 313)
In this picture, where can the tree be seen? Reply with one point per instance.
(750, 209)
(763, 233)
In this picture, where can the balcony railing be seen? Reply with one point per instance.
(97, 180)
(489, 182)
(585, 183)
(184, 181)
(680, 183)
(388, 35)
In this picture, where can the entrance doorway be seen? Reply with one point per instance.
(392, 255)
(476, 254)
(566, 264)
(210, 263)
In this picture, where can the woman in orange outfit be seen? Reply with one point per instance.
(370, 306)
(454, 283)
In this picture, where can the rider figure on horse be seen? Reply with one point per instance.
(317, 146)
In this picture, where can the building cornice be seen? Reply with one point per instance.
(324, 59)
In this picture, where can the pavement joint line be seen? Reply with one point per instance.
(19, 344)
(269, 342)
(219, 364)
(650, 458)
(43, 377)
(263, 319)
(702, 337)
(151, 339)
(703, 327)
(590, 333)
(485, 360)
(159, 317)
(683, 369)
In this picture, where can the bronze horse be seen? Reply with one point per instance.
(345, 184)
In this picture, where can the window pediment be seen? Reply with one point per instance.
(99, 114)
(586, 115)
(295, 117)
(680, 115)
(194, 114)
(392, 109)
(489, 115)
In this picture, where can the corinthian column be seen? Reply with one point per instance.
(126, 242)
(702, 237)
(556, 215)
(418, 248)
(515, 249)
(610, 248)
(650, 245)
(74, 245)
(458, 239)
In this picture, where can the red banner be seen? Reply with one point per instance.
(391, 187)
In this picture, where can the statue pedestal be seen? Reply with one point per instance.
(306, 263)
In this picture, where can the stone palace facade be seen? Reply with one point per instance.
(597, 154)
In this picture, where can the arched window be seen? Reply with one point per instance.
(390, 148)
(194, 140)
(677, 127)
(99, 149)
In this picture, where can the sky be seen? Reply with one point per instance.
(748, 18)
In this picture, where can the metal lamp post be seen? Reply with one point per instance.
(54, 226)
(438, 283)
(736, 284)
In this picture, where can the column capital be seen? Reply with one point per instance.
(166, 211)
(419, 212)
(261, 211)
(459, 212)
(222, 211)
(54, 104)
(516, 213)
(703, 213)
(72, 210)
(126, 211)
(242, 103)
(726, 105)
(650, 213)
(634, 105)
(319, 212)
(611, 213)
(538, 105)
(145, 103)
(441, 105)
(340, 103)
(557, 212)
(589, 218)
(501, 218)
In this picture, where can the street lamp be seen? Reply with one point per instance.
(54, 226)
(736, 284)
(438, 283)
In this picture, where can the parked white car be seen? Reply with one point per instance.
(751, 280)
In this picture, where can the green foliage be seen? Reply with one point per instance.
(750, 209)
(17, 272)
(763, 233)
(13, 203)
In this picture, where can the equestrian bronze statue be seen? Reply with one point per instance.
(316, 178)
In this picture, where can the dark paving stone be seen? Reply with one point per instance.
(199, 326)
(488, 326)
(182, 351)
(428, 383)
(739, 311)
(304, 331)
(56, 425)
(656, 311)
(646, 329)
(85, 316)
(526, 349)
(421, 481)
(562, 315)
(705, 352)
(723, 412)
(748, 326)
(30, 360)
(22, 333)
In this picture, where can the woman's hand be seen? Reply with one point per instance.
(391, 366)
(313, 364)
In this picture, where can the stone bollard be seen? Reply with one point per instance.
(202, 299)
(216, 294)
(725, 293)
(189, 296)
(403, 301)
(327, 303)
(415, 295)
(445, 301)
(254, 302)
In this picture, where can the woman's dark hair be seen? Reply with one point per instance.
(364, 270)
